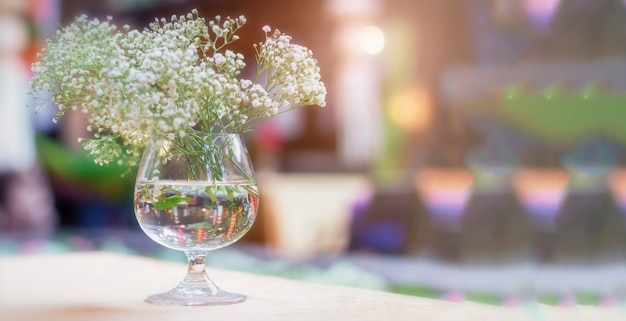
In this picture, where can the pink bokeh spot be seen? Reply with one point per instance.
(543, 202)
(447, 203)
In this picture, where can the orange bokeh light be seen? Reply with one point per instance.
(411, 109)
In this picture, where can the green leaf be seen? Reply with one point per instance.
(170, 202)
(211, 192)
(205, 225)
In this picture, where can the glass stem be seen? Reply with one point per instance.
(196, 278)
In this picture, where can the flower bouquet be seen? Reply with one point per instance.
(175, 79)
(173, 96)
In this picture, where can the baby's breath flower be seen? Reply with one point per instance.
(172, 80)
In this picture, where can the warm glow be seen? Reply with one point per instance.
(411, 110)
(432, 180)
(445, 192)
(617, 184)
(371, 40)
(542, 191)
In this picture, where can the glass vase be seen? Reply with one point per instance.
(196, 194)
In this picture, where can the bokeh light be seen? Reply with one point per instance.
(371, 40)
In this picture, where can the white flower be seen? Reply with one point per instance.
(175, 79)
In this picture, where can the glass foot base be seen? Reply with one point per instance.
(176, 297)
(196, 288)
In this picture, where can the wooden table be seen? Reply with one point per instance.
(109, 286)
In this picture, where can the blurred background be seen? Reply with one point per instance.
(469, 149)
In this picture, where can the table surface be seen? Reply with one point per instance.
(110, 286)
